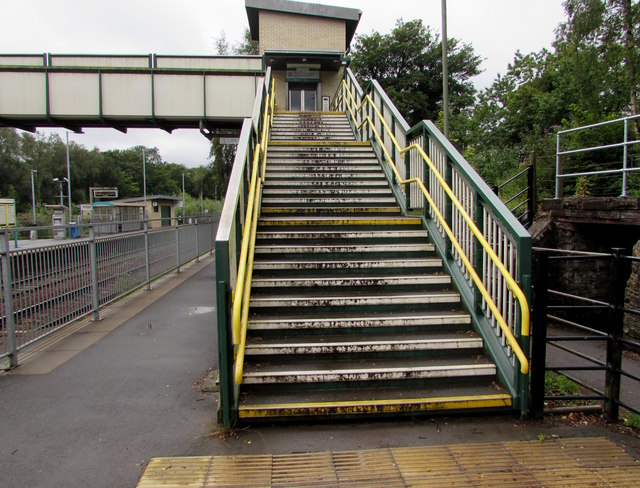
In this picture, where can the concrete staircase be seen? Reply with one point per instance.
(350, 312)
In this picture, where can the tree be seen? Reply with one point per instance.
(247, 46)
(223, 155)
(407, 64)
(606, 32)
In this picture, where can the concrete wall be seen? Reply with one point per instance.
(280, 30)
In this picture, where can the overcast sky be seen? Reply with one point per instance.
(495, 28)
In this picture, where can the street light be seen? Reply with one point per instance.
(33, 196)
(59, 182)
(445, 71)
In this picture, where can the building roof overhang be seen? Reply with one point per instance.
(280, 59)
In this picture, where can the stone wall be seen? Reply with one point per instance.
(632, 297)
(593, 225)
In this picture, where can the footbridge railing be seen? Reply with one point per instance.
(484, 247)
(234, 246)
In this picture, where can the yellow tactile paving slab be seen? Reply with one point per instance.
(574, 462)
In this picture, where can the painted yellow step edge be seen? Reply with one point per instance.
(317, 210)
(399, 405)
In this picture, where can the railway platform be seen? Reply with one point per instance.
(118, 402)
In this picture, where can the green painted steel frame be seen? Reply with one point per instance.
(227, 246)
(484, 198)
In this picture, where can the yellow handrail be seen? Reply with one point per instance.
(511, 284)
(242, 291)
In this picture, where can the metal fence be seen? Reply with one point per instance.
(46, 287)
(621, 162)
(591, 358)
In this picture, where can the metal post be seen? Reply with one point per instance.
(68, 179)
(183, 198)
(445, 71)
(147, 257)
(539, 333)
(33, 195)
(177, 247)
(558, 168)
(8, 300)
(532, 197)
(94, 273)
(614, 347)
(625, 159)
(197, 243)
(144, 183)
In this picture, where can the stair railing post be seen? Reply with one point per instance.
(478, 252)
(616, 330)
(10, 325)
(93, 247)
(539, 332)
(448, 210)
(426, 170)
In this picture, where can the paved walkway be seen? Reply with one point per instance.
(563, 462)
(96, 407)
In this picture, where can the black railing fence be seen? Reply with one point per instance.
(519, 193)
(590, 356)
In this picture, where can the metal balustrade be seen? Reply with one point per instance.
(461, 197)
(45, 288)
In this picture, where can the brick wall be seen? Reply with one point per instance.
(292, 32)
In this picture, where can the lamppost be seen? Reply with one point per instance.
(33, 196)
(68, 178)
(183, 198)
(144, 184)
(59, 182)
(445, 71)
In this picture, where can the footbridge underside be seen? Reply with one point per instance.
(144, 91)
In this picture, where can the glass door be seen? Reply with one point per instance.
(303, 96)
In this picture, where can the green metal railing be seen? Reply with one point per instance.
(233, 246)
(484, 247)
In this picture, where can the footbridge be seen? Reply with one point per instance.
(210, 93)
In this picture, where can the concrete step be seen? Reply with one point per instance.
(324, 201)
(326, 183)
(341, 235)
(355, 300)
(324, 175)
(351, 281)
(335, 249)
(343, 321)
(340, 344)
(337, 166)
(317, 192)
(351, 264)
(332, 221)
(335, 372)
(342, 210)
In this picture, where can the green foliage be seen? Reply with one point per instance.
(632, 420)
(407, 64)
(22, 152)
(590, 75)
(559, 385)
